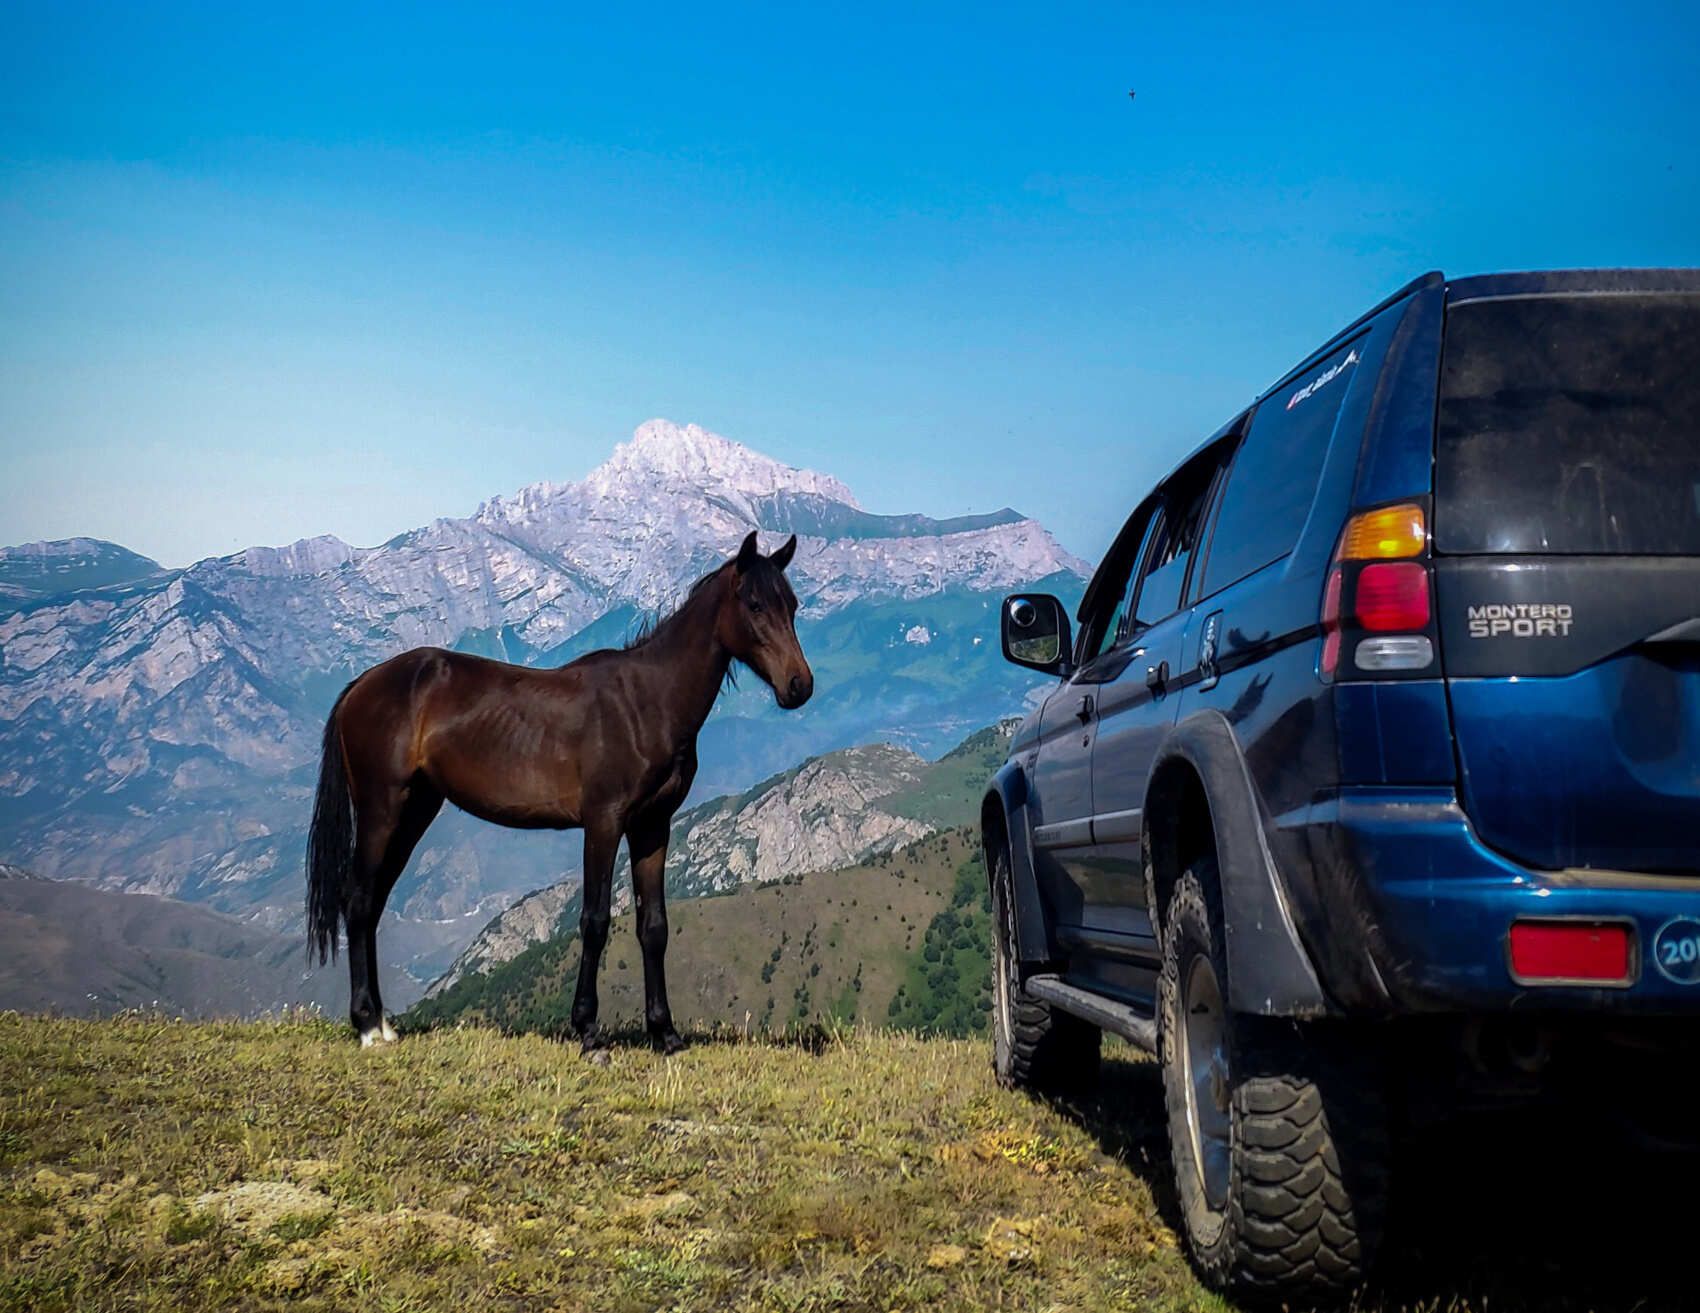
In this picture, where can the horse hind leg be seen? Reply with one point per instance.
(383, 846)
(601, 846)
(648, 845)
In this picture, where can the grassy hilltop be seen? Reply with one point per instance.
(170, 1164)
(153, 1164)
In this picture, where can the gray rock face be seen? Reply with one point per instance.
(531, 920)
(821, 816)
(159, 730)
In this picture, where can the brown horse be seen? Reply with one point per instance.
(607, 743)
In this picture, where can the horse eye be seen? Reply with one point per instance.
(755, 608)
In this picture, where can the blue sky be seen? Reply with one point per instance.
(284, 270)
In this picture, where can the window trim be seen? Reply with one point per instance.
(1130, 538)
(1211, 458)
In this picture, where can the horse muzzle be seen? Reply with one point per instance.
(796, 691)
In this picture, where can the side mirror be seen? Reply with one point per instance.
(1036, 633)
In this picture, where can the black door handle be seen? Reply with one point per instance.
(1085, 712)
(1156, 676)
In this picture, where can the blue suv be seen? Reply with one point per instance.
(1370, 785)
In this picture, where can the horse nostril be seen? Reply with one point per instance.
(800, 688)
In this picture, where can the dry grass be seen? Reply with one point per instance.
(156, 1163)
(147, 1163)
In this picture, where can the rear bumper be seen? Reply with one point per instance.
(1405, 909)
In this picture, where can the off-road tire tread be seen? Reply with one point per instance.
(1051, 1052)
(1307, 1186)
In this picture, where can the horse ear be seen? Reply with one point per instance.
(782, 557)
(748, 554)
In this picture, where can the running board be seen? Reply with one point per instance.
(1131, 1024)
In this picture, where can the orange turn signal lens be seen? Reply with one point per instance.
(1384, 535)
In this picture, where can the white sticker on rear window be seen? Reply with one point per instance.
(1323, 379)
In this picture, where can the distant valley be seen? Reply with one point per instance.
(78, 951)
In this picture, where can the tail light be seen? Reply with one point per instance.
(1392, 598)
(1378, 602)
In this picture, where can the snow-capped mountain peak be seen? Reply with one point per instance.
(708, 463)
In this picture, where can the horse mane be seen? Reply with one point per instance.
(769, 585)
(652, 622)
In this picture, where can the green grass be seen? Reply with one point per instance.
(163, 1164)
(155, 1164)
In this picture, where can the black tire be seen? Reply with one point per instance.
(1296, 1191)
(1035, 1047)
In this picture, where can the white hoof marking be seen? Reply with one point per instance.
(390, 1037)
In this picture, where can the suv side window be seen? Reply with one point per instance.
(1272, 481)
(1169, 552)
(1118, 625)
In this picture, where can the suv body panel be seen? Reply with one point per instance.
(1361, 871)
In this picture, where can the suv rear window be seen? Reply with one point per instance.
(1570, 425)
(1272, 482)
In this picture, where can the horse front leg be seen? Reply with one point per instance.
(601, 846)
(648, 844)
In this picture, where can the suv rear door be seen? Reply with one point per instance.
(1567, 552)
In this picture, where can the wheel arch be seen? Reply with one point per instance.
(1200, 799)
(1004, 820)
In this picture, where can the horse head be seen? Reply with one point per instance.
(757, 622)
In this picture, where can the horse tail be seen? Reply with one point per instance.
(330, 843)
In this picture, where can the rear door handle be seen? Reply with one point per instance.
(1156, 676)
(1085, 712)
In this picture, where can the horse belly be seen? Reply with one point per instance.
(526, 794)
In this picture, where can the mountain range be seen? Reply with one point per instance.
(159, 727)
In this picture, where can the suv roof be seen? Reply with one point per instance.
(1535, 282)
(1473, 288)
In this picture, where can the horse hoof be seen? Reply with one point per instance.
(597, 1057)
(389, 1033)
(669, 1044)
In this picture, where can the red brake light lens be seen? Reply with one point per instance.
(1331, 598)
(1331, 621)
(1556, 952)
(1392, 597)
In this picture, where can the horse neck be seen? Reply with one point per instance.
(688, 655)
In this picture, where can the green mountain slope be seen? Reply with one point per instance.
(835, 945)
(829, 811)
